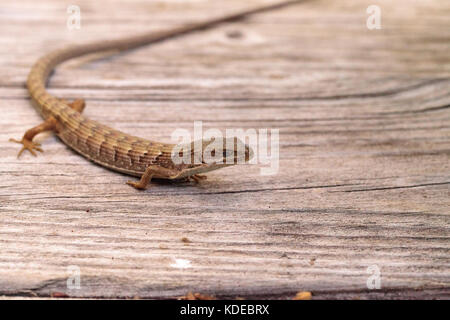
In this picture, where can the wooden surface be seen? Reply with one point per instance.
(364, 159)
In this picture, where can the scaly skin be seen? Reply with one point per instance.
(104, 145)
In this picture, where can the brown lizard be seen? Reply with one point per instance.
(111, 148)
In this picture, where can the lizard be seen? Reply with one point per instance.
(114, 149)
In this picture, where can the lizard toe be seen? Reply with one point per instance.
(27, 145)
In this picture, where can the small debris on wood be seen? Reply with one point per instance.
(196, 296)
(303, 295)
(185, 240)
(277, 76)
(234, 34)
(57, 294)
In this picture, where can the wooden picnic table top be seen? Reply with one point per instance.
(364, 171)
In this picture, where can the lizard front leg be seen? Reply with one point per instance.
(47, 125)
(145, 179)
(150, 173)
(197, 178)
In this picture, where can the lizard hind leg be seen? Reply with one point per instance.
(78, 105)
(47, 125)
(27, 139)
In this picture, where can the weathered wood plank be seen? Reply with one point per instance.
(364, 153)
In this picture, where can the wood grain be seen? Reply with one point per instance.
(364, 153)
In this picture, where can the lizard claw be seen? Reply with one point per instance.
(27, 145)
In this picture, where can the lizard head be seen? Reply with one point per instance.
(224, 152)
(211, 154)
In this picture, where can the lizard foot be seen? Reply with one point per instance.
(138, 185)
(27, 145)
